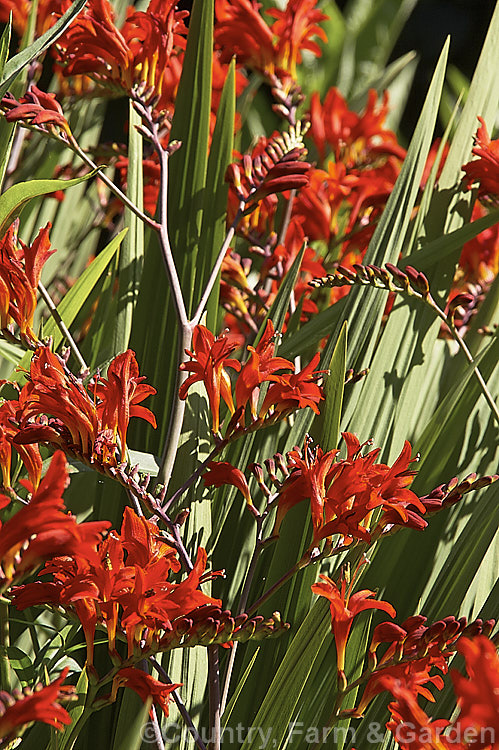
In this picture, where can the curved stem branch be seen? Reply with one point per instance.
(62, 326)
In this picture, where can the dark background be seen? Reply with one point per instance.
(466, 21)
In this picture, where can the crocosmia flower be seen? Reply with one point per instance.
(55, 407)
(345, 606)
(210, 358)
(138, 53)
(485, 169)
(41, 704)
(20, 269)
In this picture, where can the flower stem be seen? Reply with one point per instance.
(62, 326)
(5, 675)
(215, 712)
(112, 187)
(180, 705)
(178, 493)
(216, 268)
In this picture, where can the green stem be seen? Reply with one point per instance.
(5, 673)
(62, 326)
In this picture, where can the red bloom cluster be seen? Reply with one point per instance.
(345, 606)
(273, 51)
(122, 583)
(38, 110)
(139, 53)
(43, 703)
(287, 392)
(55, 407)
(344, 493)
(20, 270)
(485, 169)
(477, 724)
(414, 650)
(41, 529)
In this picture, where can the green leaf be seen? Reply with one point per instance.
(333, 392)
(16, 197)
(4, 44)
(132, 722)
(75, 711)
(132, 254)
(280, 305)
(215, 196)
(20, 61)
(187, 167)
(277, 711)
(74, 300)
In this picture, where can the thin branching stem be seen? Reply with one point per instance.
(180, 705)
(216, 268)
(62, 326)
(112, 187)
(215, 712)
(178, 493)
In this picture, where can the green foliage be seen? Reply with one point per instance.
(417, 387)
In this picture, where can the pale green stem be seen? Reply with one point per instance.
(62, 326)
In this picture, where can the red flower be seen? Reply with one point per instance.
(138, 53)
(344, 607)
(37, 109)
(308, 479)
(260, 366)
(210, 358)
(120, 395)
(295, 28)
(29, 454)
(241, 30)
(221, 472)
(42, 704)
(295, 391)
(145, 686)
(485, 169)
(122, 582)
(55, 407)
(19, 280)
(42, 530)
(354, 139)
(478, 694)
(411, 726)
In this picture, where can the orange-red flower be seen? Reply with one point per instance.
(20, 269)
(353, 139)
(210, 358)
(275, 50)
(145, 686)
(119, 396)
(37, 109)
(122, 582)
(41, 704)
(222, 472)
(260, 366)
(343, 493)
(344, 607)
(41, 529)
(478, 693)
(55, 407)
(294, 391)
(138, 53)
(485, 169)
(29, 454)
